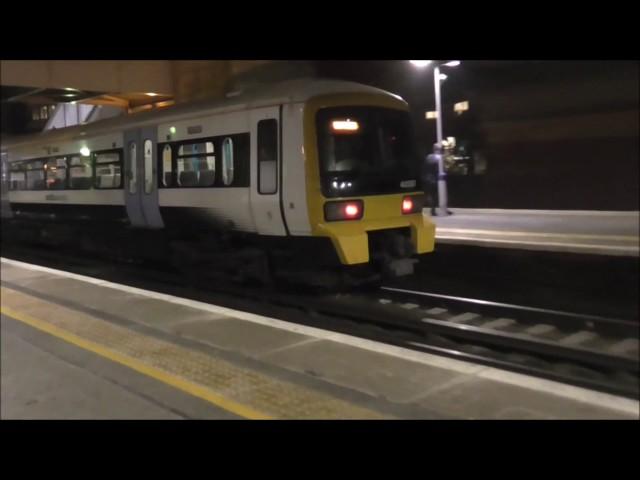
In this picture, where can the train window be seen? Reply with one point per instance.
(35, 175)
(196, 165)
(107, 157)
(187, 172)
(56, 169)
(167, 168)
(108, 170)
(80, 172)
(267, 156)
(227, 161)
(17, 178)
(133, 169)
(35, 179)
(148, 166)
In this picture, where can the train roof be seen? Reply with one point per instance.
(290, 91)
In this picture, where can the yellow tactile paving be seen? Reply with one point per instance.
(239, 390)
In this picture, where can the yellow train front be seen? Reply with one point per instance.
(362, 181)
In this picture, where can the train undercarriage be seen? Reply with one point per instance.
(225, 256)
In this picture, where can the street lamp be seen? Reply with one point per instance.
(437, 78)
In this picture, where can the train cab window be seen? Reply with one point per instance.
(80, 172)
(133, 170)
(56, 169)
(267, 156)
(196, 165)
(108, 170)
(167, 167)
(227, 161)
(148, 166)
(35, 175)
(17, 177)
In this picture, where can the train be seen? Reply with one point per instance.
(310, 180)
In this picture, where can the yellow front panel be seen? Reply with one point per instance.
(380, 211)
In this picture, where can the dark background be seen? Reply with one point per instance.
(556, 134)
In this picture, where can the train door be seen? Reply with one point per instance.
(5, 211)
(133, 178)
(266, 172)
(149, 194)
(141, 189)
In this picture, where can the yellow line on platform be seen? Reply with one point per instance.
(177, 382)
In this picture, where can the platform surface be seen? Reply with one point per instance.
(602, 233)
(79, 347)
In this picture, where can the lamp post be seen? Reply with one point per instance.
(437, 79)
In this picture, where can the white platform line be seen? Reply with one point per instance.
(511, 233)
(587, 396)
(558, 246)
(588, 213)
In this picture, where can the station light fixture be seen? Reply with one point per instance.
(85, 152)
(438, 78)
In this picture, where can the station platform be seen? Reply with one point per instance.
(78, 347)
(585, 232)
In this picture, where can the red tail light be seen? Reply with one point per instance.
(352, 210)
(349, 210)
(412, 204)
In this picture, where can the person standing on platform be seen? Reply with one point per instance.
(429, 176)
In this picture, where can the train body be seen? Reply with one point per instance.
(307, 174)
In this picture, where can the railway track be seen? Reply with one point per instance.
(591, 351)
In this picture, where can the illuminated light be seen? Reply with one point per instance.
(85, 152)
(420, 63)
(407, 205)
(74, 102)
(151, 94)
(443, 77)
(345, 210)
(172, 130)
(69, 95)
(345, 125)
(334, 184)
(164, 104)
(461, 107)
(452, 63)
(342, 185)
(351, 210)
(431, 115)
